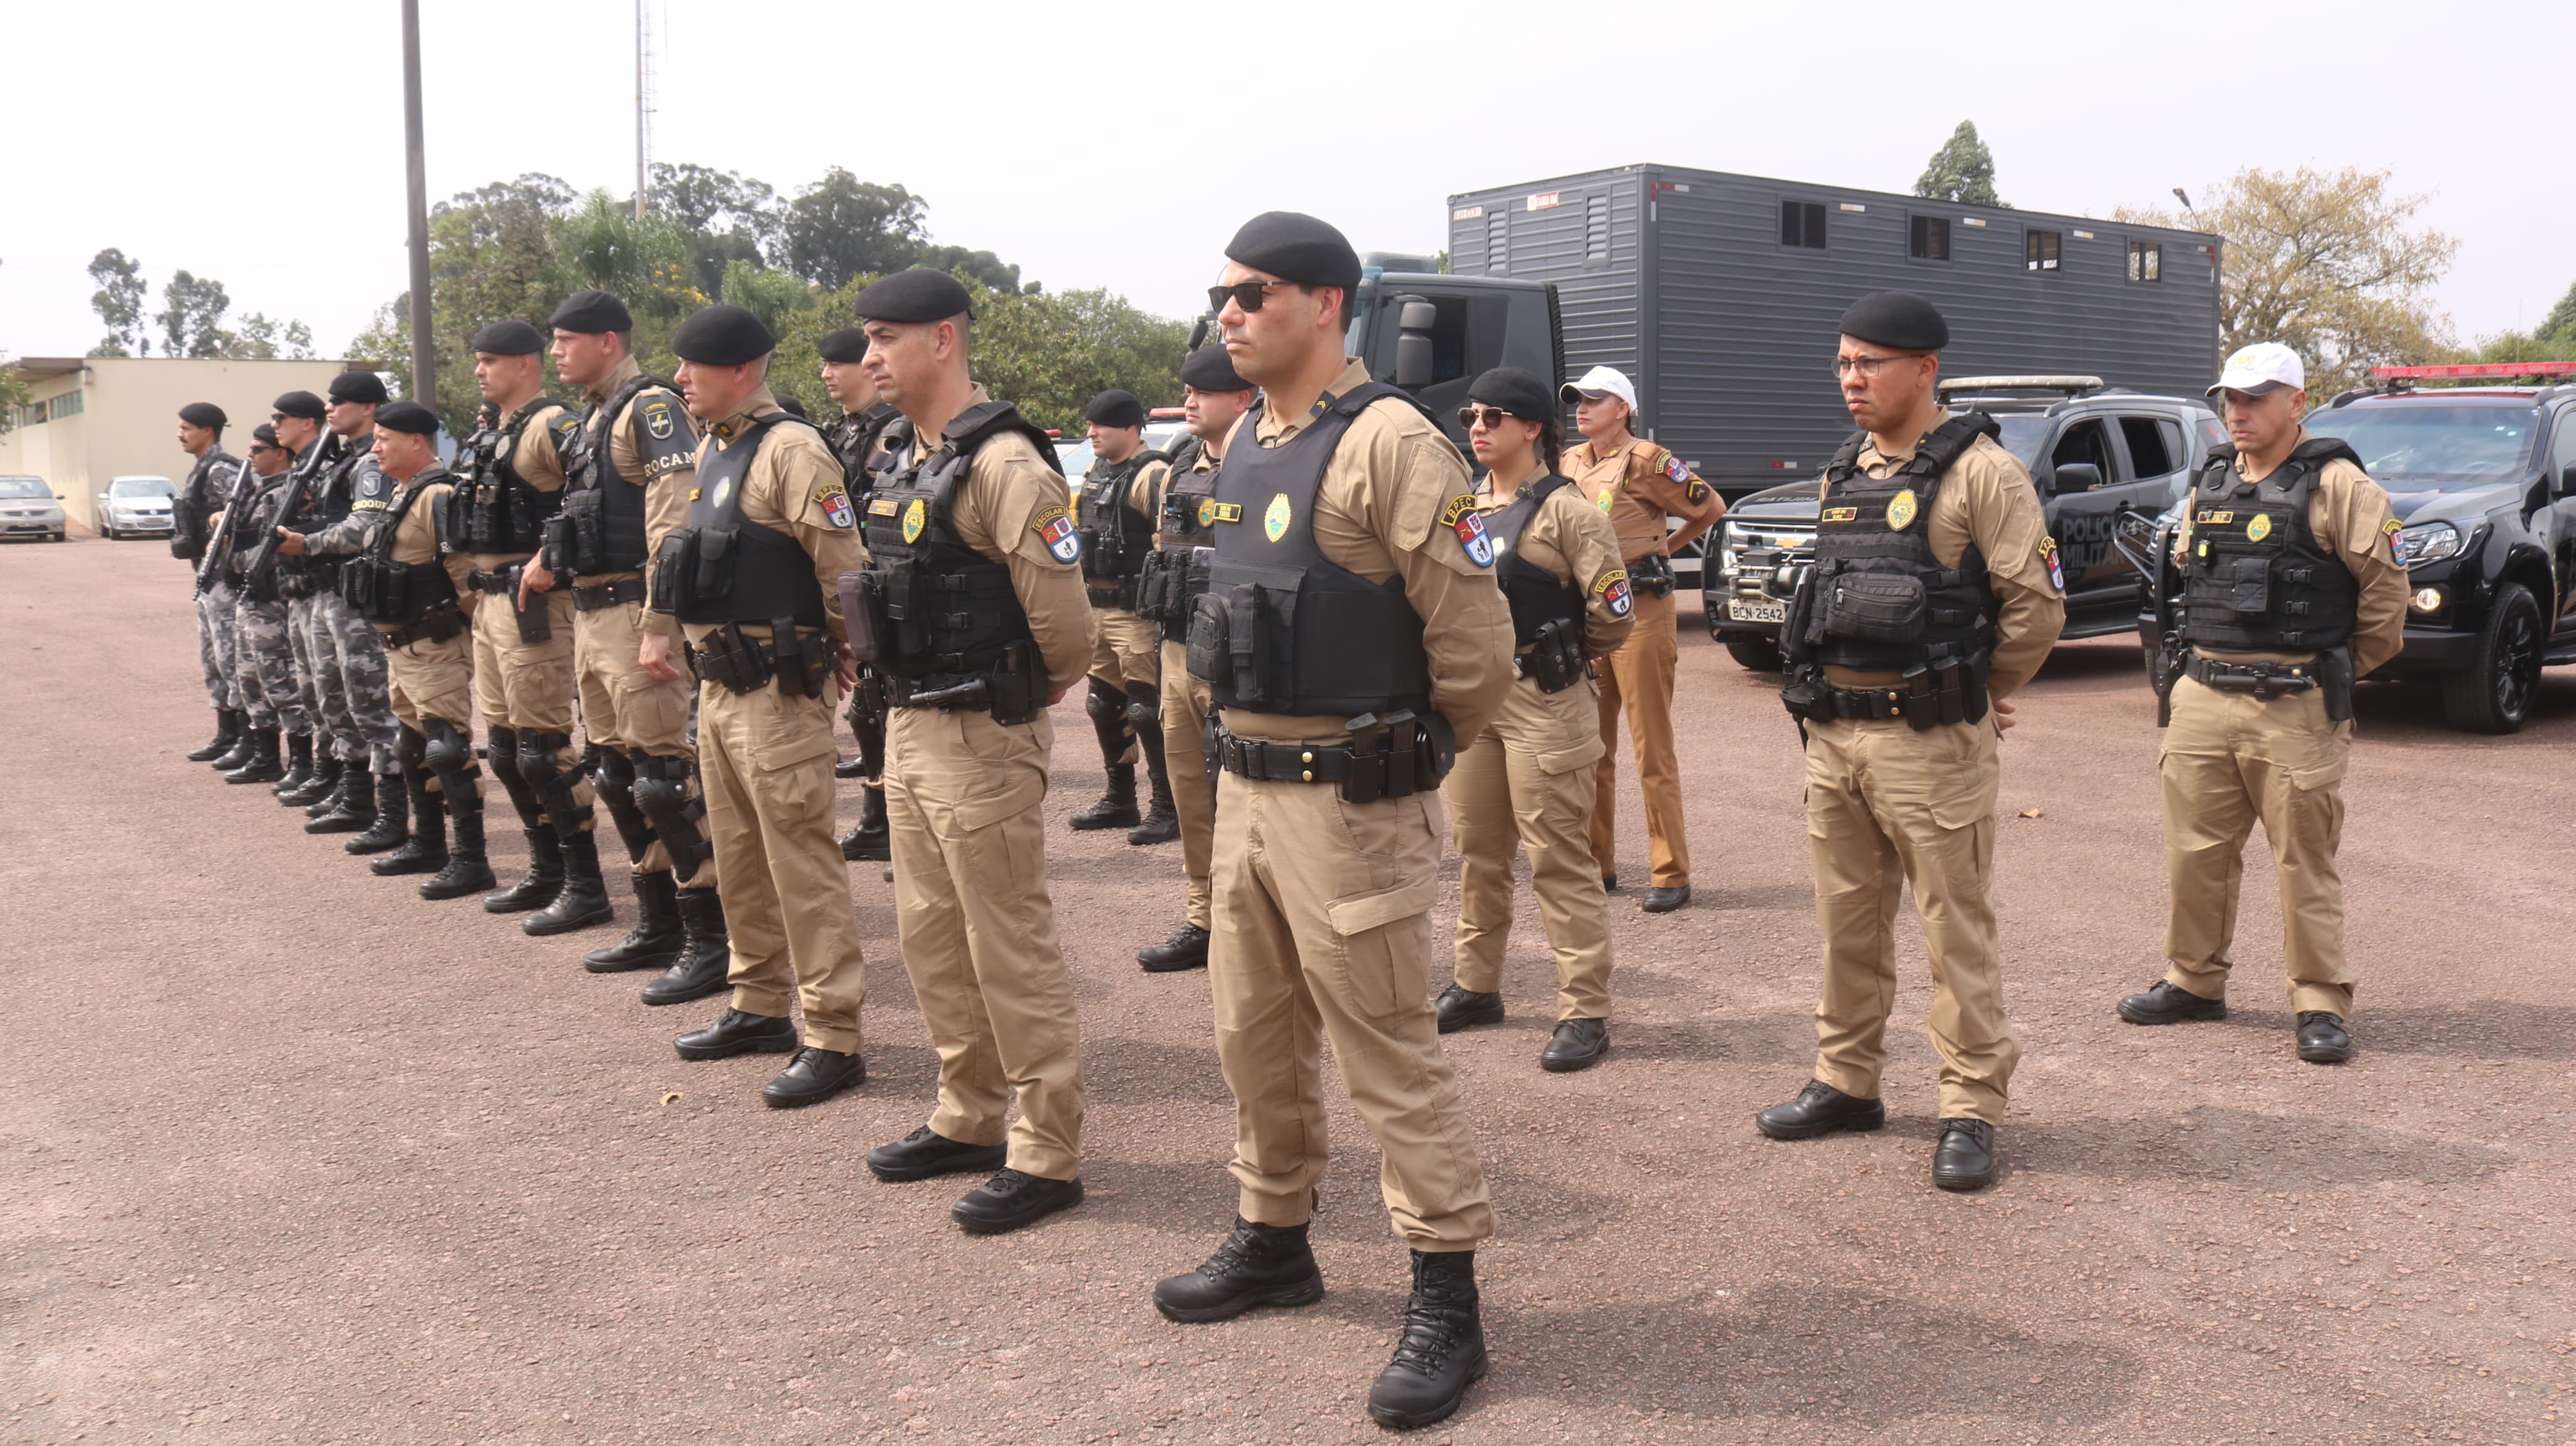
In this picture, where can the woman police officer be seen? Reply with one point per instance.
(1529, 779)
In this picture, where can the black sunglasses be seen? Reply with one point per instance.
(1490, 416)
(1246, 294)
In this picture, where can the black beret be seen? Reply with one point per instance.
(787, 403)
(849, 344)
(512, 337)
(299, 404)
(264, 433)
(408, 417)
(723, 335)
(1209, 369)
(1115, 408)
(364, 387)
(592, 313)
(918, 295)
(1518, 391)
(1899, 319)
(202, 414)
(1294, 247)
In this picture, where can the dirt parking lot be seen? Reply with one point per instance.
(292, 1156)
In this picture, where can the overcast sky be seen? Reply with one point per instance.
(1118, 144)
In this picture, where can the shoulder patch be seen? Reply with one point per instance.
(1674, 469)
(1695, 491)
(2390, 529)
(2049, 559)
(1462, 518)
(834, 499)
(1054, 527)
(1613, 590)
(656, 417)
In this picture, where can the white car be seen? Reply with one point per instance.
(136, 506)
(31, 508)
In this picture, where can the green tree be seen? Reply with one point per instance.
(2327, 265)
(841, 226)
(192, 316)
(984, 266)
(118, 302)
(1963, 170)
(1052, 354)
(2561, 320)
(262, 339)
(14, 393)
(697, 197)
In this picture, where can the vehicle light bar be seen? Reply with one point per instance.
(2489, 371)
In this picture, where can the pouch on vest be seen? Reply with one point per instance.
(714, 573)
(578, 536)
(860, 602)
(1877, 607)
(2249, 583)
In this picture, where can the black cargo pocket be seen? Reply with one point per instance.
(2249, 583)
(1875, 607)
(1208, 654)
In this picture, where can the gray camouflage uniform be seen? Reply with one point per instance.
(344, 507)
(263, 656)
(216, 474)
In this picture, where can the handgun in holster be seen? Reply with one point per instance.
(1652, 575)
(535, 626)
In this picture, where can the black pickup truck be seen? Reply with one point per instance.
(2095, 452)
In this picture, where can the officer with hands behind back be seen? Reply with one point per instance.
(1934, 595)
(857, 438)
(1117, 519)
(2292, 590)
(1354, 637)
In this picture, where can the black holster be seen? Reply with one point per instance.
(1652, 575)
(1556, 657)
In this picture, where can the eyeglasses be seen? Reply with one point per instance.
(1248, 295)
(1868, 366)
(1491, 416)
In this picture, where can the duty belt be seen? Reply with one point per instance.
(2266, 681)
(504, 581)
(297, 586)
(1411, 761)
(438, 627)
(608, 595)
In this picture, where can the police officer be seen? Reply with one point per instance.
(1344, 700)
(975, 614)
(263, 659)
(1936, 592)
(1639, 485)
(215, 473)
(1117, 520)
(855, 437)
(1213, 399)
(628, 475)
(512, 486)
(2261, 714)
(337, 515)
(1526, 782)
(751, 572)
(264, 571)
(405, 583)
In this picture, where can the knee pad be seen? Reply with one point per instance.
(540, 756)
(447, 750)
(1144, 706)
(411, 748)
(502, 745)
(1106, 704)
(662, 793)
(613, 774)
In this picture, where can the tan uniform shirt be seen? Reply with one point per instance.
(416, 535)
(1010, 494)
(794, 486)
(1639, 484)
(536, 460)
(1378, 514)
(1574, 540)
(1987, 498)
(2351, 517)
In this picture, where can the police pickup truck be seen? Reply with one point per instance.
(2482, 476)
(2095, 452)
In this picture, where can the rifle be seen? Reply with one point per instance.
(2147, 546)
(262, 562)
(210, 566)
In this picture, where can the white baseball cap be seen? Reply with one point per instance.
(1600, 382)
(2260, 368)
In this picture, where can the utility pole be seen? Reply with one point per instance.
(643, 104)
(424, 374)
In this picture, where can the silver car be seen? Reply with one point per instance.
(135, 507)
(30, 508)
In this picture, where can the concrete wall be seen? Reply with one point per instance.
(129, 421)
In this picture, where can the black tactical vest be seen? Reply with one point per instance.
(1536, 595)
(494, 509)
(722, 567)
(1283, 628)
(949, 612)
(2256, 580)
(1178, 527)
(399, 593)
(610, 530)
(1877, 600)
(1115, 536)
(857, 440)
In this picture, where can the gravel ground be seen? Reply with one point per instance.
(294, 1156)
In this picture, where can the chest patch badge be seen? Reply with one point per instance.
(881, 507)
(1901, 509)
(1608, 496)
(2049, 559)
(917, 516)
(1212, 512)
(1274, 521)
(1613, 590)
(1055, 528)
(834, 499)
(1842, 514)
(2258, 527)
(723, 494)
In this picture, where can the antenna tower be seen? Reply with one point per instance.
(643, 101)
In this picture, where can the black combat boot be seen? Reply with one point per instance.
(1820, 1109)
(582, 898)
(850, 767)
(228, 730)
(388, 816)
(262, 766)
(871, 841)
(1442, 1350)
(1460, 1007)
(240, 753)
(656, 938)
(468, 871)
(543, 881)
(1162, 822)
(1256, 1265)
(351, 809)
(706, 952)
(1187, 949)
(321, 781)
(299, 769)
(1117, 807)
(344, 777)
(425, 852)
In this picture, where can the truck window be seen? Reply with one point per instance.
(2148, 451)
(2564, 458)
(2039, 250)
(2084, 442)
(1928, 238)
(1802, 223)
